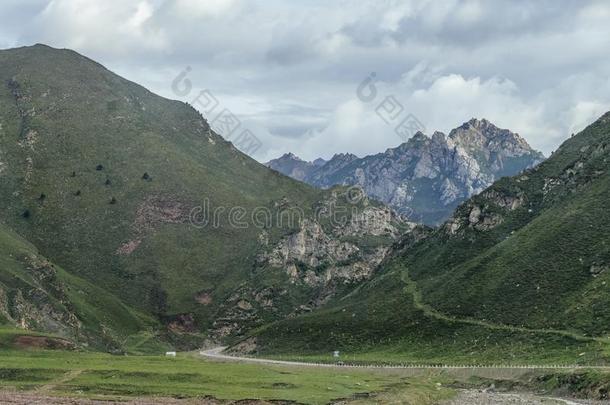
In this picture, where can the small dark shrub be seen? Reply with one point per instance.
(99, 168)
(146, 177)
(107, 182)
(113, 200)
(26, 214)
(77, 193)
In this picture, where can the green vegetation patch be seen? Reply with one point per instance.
(102, 375)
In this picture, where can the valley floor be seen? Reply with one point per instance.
(319, 361)
(64, 377)
(38, 376)
(41, 376)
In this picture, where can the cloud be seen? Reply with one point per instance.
(446, 102)
(194, 9)
(290, 70)
(115, 26)
(449, 100)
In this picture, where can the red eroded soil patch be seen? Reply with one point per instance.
(42, 342)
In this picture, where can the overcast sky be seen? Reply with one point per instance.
(290, 70)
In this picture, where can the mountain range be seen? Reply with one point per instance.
(519, 270)
(128, 225)
(424, 178)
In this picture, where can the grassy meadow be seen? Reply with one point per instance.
(103, 376)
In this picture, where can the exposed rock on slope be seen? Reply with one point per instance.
(320, 259)
(35, 294)
(334, 256)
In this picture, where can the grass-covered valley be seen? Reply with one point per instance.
(103, 376)
(109, 258)
(30, 375)
(525, 261)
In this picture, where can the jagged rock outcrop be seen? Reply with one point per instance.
(318, 259)
(292, 166)
(485, 212)
(427, 177)
(339, 252)
(42, 305)
(322, 176)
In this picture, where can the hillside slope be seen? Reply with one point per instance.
(136, 193)
(520, 267)
(531, 250)
(36, 294)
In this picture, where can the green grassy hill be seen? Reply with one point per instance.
(64, 117)
(102, 176)
(36, 294)
(533, 250)
(521, 271)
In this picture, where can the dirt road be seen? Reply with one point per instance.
(464, 397)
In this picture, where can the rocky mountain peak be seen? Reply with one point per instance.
(319, 162)
(427, 176)
(291, 156)
(417, 141)
(291, 165)
(482, 135)
(419, 136)
(479, 123)
(438, 136)
(343, 157)
(483, 129)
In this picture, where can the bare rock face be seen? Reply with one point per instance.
(33, 307)
(485, 212)
(310, 245)
(318, 259)
(425, 178)
(245, 347)
(321, 258)
(508, 202)
(371, 221)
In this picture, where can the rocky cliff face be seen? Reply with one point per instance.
(318, 261)
(319, 258)
(41, 305)
(427, 177)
